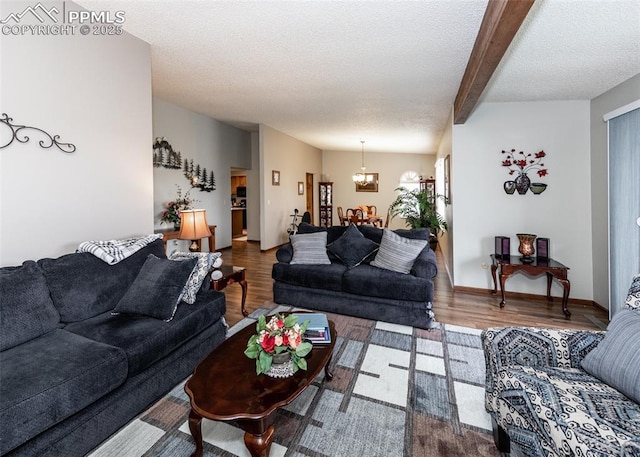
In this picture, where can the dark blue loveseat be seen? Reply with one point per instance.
(363, 290)
(71, 373)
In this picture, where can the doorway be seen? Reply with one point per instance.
(309, 194)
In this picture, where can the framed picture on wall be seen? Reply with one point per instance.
(300, 188)
(275, 178)
(370, 183)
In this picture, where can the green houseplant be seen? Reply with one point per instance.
(418, 209)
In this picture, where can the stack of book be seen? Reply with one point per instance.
(318, 329)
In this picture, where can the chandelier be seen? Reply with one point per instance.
(361, 177)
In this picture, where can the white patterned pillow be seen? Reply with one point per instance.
(633, 298)
(310, 249)
(397, 253)
(205, 261)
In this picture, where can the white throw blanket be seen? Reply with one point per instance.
(113, 251)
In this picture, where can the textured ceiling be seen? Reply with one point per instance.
(333, 72)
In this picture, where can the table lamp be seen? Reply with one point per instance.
(193, 226)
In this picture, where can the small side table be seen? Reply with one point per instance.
(231, 274)
(550, 267)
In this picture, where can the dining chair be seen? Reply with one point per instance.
(372, 209)
(357, 216)
(341, 217)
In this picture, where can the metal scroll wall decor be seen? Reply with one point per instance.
(164, 156)
(19, 133)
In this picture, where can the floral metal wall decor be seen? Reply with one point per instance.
(164, 156)
(522, 163)
(19, 135)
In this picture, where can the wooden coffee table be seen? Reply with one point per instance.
(225, 387)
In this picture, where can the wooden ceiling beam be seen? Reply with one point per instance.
(501, 22)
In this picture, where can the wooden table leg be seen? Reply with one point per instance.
(195, 427)
(549, 278)
(503, 279)
(258, 444)
(495, 283)
(565, 296)
(243, 284)
(328, 374)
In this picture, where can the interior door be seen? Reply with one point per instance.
(309, 194)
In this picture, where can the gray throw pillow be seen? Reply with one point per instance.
(397, 253)
(616, 359)
(352, 248)
(203, 265)
(156, 289)
(310, 249)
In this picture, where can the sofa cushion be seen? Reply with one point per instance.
(633, 296)
(310, 249)
(157, 288)
(375, 282)
(26, 309)
(352, 248)
(616, 360)
(48, 379)
(398, 253)
(83, 286)
(568, 411)
(205, 262)
(146, 340)
(328, 277)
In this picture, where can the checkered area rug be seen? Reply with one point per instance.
(397, 391)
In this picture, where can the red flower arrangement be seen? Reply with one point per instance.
(281, 334)
(523, 163)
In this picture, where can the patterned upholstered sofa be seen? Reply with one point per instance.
(550, 392)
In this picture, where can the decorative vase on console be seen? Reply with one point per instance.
(526, 246)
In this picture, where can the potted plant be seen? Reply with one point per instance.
(418, 209)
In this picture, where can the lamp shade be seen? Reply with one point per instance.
(193, 224)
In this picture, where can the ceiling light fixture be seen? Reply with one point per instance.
(361, 177)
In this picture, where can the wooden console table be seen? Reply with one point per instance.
(172, 234)
(550, 267)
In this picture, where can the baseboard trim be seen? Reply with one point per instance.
(522, 295)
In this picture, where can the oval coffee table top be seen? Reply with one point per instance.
(224, 386)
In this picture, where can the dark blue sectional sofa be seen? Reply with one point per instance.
(364, 290)
(71, 372)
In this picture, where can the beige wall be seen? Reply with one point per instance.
(446, 239)
(339, 167)
(293, 159)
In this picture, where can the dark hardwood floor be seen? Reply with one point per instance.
(477, 310)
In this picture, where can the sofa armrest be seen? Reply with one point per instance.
(425, 265)
(535, 347)
(284, 253)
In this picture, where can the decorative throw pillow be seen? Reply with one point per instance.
(616, 359)
(156, 290)
(352, 247)
(205, 261)
(310, 249)
(397, 253)
(633, 297)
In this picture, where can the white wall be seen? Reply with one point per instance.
(339, 167)
(212, 144)
(95, 92)
(482, 210)
(293, 159)
(620, 95)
